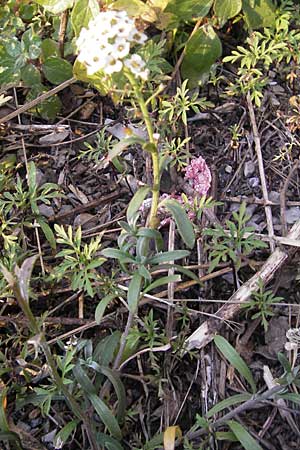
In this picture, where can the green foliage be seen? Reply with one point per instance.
(180, 104)
(176, 152)
(264, 50)
(197, 205)
(235, 242)
(201, 52)
(101, 148)
(263, 302)
(235, 360)
(80, 261)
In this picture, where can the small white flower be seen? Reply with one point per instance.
(137, 37)
(113, 65)
(136, 65)
(121, 48)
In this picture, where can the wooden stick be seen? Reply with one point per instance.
(205, 333)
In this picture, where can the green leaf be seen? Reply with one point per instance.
(234, 400)
(102, 305)
(202, 50)
(243, 436)
(108, 442)
(82, 13)
(168, 256)
(10, 436)
(292, 397)
(57, 70)
(105, 349)
(189, 9)
(49, 235)
(30, 75)
(183, 223)
(118, 254)
(134, 292)
(136, 201)
(55, 6)
(226, 9)
(118, 148)
(79, 72)
(49, 48)
(106, 416)
(162, 281)
(259, 15)
(235, 360)
(83, 380)
(136, 8)
(62, 436)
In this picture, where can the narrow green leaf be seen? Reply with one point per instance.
(168, 256)
(63, 435)
(102, 305)
(235, 360)
(108, 442)
(162, 281)
(243, 436)
(83, 380)
(118, 148)
(136, 201)
(291, 397)
(234, 400)
(49, 235)
(134, 292)
(183, 223)
(106, 416)
(118, 254)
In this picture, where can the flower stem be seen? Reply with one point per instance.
(153, 149)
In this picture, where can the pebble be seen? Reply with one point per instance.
(249, 168)
(292, 214)
(253, 182)
(228, 169)
(46, 211)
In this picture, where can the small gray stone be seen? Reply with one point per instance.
(46, 210)
(228, 169)
(274, 196)
(292, 214)
(249, 168)
(253, 182)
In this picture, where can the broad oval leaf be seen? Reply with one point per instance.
(183, 223)
(260, 14)
(82, 13)
(202, 50)
(235, 360)
(136, 201)
(226, 9)
(188, 9)
(55, 6)
(57, 70)
(247, 441)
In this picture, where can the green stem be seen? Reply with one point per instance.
(153, 220)
(41, 341)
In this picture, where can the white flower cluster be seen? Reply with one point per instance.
(105, 44)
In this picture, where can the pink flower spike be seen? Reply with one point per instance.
(199, 175)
